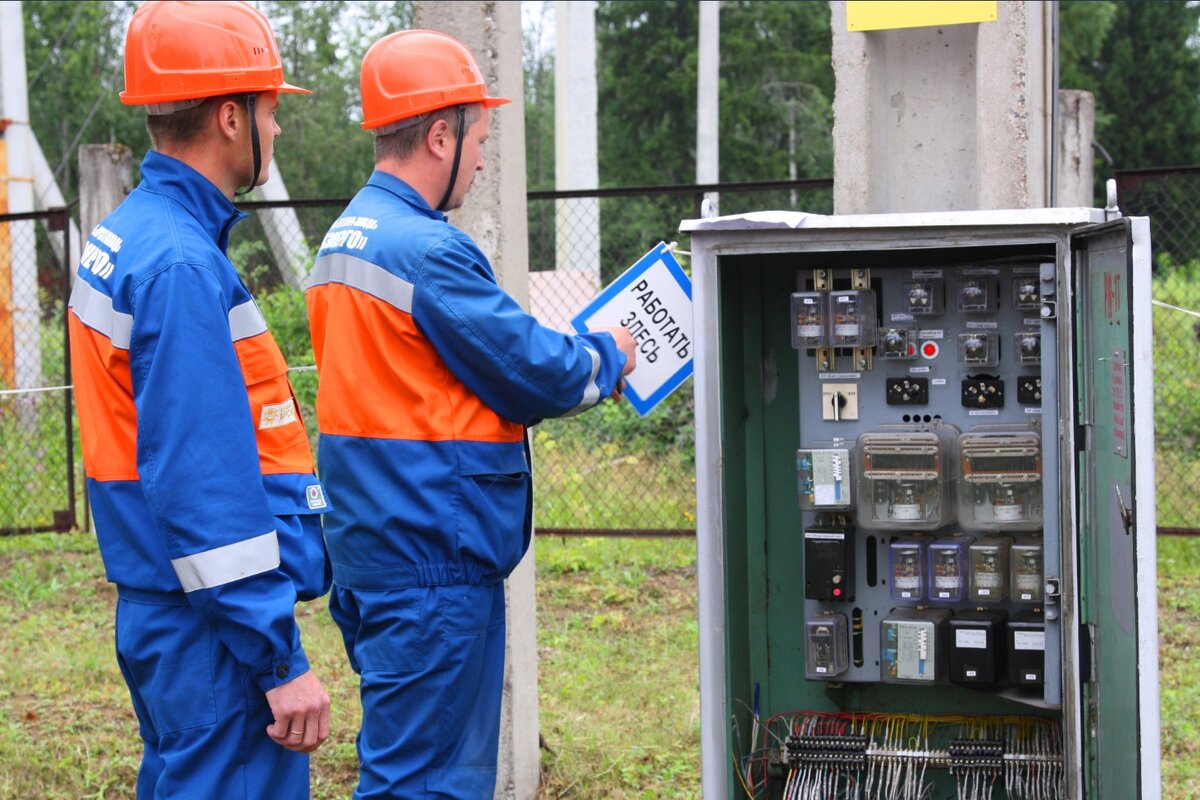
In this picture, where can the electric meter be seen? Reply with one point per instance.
(1025, 564)
(823, 478)
(898, 342)
(853, 318)
(808, 319)
(911, 645)
(1001, 480)
(988, 558)
(977, 349)
(906, 477)
(906, 569)
(826, 648)
(978, 295)
(925, 297)
(948, 569)
(1026, 296)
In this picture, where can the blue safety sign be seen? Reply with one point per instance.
(653, 300)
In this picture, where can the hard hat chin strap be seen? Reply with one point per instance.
(462, 113)
(251, 101)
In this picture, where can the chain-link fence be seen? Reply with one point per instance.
(1171, 199)
(605, 472)
(37, 442)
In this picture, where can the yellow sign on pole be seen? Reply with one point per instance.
(878, 15)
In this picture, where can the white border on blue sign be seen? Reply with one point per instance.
(661, 252)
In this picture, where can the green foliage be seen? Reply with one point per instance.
(73, 54)
(1140, 60)
(776, 90)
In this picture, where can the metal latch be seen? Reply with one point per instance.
(1126, 512)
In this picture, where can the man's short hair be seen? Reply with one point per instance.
(184, 126)
(402, 143)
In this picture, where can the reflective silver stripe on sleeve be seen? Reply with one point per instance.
(245, 320)
(95, 310)
(591, 394)
(361, 274)
(227, 564)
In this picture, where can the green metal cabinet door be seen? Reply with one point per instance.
(1115, 440)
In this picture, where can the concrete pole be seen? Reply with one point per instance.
(708, 70)
(26, 367)
(950, 117)
(495, 217)
(576, 164)
(46, 194)
(1077, 117)
(105, 177)
(285, 237)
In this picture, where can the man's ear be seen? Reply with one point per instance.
(439, 138)
(230, 118)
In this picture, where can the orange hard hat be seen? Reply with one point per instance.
(409, 73)
(177, 51)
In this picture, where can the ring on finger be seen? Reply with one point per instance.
(295, 733)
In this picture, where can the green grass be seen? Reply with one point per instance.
(618, 678)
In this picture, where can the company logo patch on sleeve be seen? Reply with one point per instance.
(278, 414)
(316, 496)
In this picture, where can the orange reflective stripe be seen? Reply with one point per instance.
(279, 429)
(381, 378)
(104, 402)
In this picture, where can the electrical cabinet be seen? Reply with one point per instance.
(925, 490)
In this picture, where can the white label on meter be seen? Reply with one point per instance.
(974, 639)
(906, 511)
(1029, 640)
(1014, 512)
(808, 331)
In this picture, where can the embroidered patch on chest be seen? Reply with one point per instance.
(277, 415)
(316, 496)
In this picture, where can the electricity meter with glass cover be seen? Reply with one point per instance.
(925, 489)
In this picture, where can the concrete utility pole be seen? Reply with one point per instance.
(576, 165)
(105, 177)
(20, 343)
(284, 234)
(708, 71)
(494, 215)
(946, 117)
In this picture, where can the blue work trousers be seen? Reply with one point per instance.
(203, 719)
(431, 668)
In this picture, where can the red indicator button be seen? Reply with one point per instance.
(929, 350)
(837, 592)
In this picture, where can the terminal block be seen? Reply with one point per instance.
(976, 755)
(846, 751)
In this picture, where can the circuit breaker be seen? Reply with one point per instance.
(925, 493)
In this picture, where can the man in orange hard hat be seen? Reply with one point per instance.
(430, 374)
(198, 466)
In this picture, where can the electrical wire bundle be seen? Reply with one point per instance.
(846, 756)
